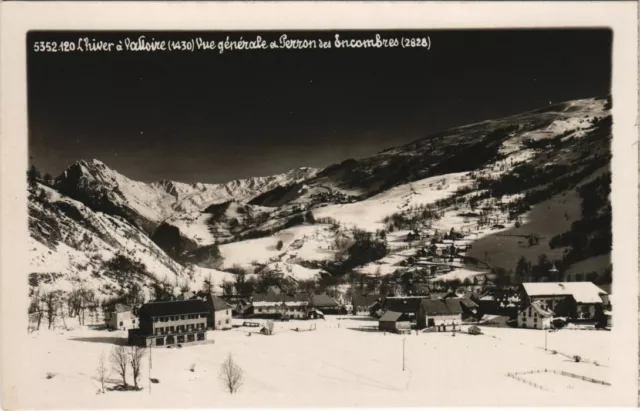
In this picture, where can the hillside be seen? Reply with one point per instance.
(524, 186)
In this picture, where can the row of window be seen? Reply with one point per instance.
(179, 317)
(180, 339)
(180, 328)
(288, 309)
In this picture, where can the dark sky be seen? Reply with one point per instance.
(201, 116)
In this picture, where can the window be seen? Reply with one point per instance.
(227, 321)
(218, 322)
(120, 323)
(227, 312)
(159, 341)
(155, 319)
(259, 310)
(182, 317)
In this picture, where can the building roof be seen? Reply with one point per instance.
(583, 292)
(121, 308)
(391, 316)
(606, 288)
(542, 310)
(402, 305)
(468, 302)
(218, 303)
(280, 298)
(164, 308)
(364, 300)
(323, 300)
(435, 307)
(449, 306)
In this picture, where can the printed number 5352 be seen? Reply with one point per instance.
(49, 46)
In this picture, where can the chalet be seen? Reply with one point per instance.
(537, 315)
(577, 300)
(219, 313)
(325, 304)
(438, 313)
(170, 323)
(448, 311)
(410, 308)
(120, 317)
(365, 304)
(393, 321)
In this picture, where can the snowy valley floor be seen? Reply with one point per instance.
(342, 363)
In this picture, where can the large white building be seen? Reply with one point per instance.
(573, 299)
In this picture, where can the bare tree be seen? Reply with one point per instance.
(136, 354)
(35, 312)
(50, 300)
(120, 360)
(231, 375)
(102, 372)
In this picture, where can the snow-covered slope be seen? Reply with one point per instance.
(71, 245)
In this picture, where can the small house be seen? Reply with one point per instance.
(219, 313)
(409, 306)
(325, 304)
(537, 315)
(394, 321)
(365, 304)
(120, 317)
(442, 313)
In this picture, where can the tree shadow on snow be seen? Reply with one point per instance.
(368, 330)
(103, 340)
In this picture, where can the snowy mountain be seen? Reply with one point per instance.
(456, 150)
(500, 182)
(148, 205)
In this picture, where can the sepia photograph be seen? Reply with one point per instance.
(321, 218)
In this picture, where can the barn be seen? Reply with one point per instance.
(393, 321)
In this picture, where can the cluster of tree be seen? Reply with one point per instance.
(296, 220)
(366, 247)
(121, 358)
(48, 305)
(591, 235)
(526, 271)
(206, 256)
(412, 218)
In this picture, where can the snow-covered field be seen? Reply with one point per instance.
(309, 243)
(368, 214)
(342, 363)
